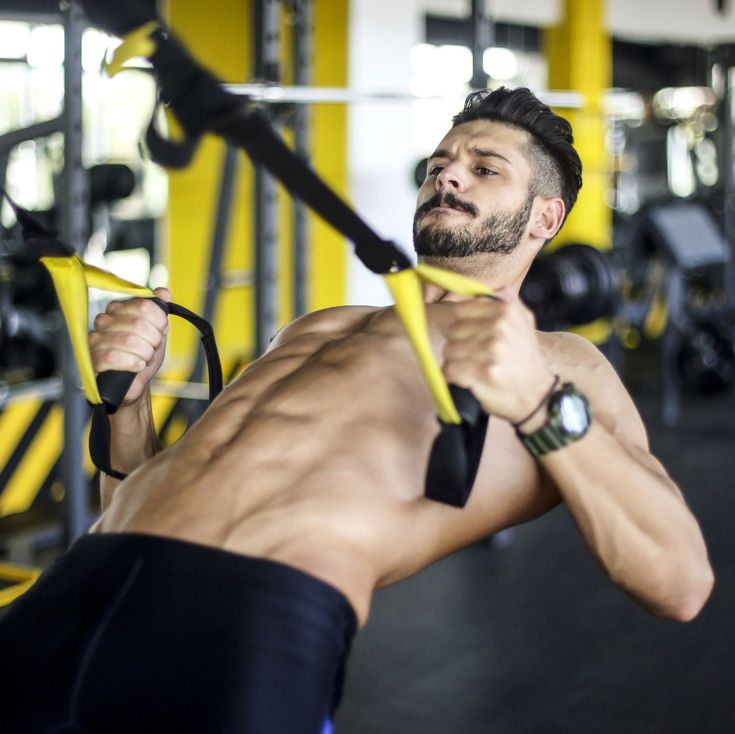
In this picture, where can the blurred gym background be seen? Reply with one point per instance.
(522, 633)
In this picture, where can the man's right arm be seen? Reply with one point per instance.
(631, 514)
(130, 336)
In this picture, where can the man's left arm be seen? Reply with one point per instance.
(629, 511)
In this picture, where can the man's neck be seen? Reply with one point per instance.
(492, 269)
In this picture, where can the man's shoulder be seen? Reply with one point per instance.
(566, 346)
(576, 359)
(335, 318)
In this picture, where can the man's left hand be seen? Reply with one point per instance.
(492, 349)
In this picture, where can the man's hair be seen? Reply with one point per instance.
(557, 169)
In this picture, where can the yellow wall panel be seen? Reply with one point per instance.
(330, 250)
(35, 466)
(579, 55)
(220, 35)
(14, 422)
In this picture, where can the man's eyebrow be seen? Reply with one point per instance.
(439, 153)
(478, 152)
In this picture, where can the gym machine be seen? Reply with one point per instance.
(697, 352)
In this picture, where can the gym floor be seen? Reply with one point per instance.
(530, 637)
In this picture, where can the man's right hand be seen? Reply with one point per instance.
(131, 336)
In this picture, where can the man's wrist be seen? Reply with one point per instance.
(568, 419)
(534, 418)
(536, 421)
(134, 437)
(128, 425)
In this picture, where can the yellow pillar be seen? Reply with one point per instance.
(579, 54)
(327, 285)
(329, 141)
(220, 36)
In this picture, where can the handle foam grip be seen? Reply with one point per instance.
(468, 406)
(456, 452)
(113, 386)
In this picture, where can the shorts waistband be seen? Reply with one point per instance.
(205, 561)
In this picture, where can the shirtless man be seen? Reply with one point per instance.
(216, 592)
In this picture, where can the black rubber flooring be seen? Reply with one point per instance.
(531, 638)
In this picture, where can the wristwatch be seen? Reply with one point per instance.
(569, 420)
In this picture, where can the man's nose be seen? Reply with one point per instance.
(450, 178)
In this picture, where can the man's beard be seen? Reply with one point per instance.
(499, 233)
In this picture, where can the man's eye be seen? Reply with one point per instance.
(485, 171)
(435, 170)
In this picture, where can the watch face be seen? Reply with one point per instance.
(573, 415)
(569, 420)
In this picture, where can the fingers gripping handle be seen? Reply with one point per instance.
(456, 453)
(113, 385)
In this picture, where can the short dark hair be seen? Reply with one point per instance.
(556, 164)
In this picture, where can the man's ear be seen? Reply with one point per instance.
(548, 218)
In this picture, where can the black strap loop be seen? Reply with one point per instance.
(176, 155)
(100, 441)
(214, 365)
(456, 452)
(37, 238)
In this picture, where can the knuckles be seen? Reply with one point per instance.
(130, 340)
(490, 346)
(139, 310)
(137, 323)
(150, 311)
(105, 359)
(137, 316)
(100, 320)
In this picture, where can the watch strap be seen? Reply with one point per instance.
(545, 440)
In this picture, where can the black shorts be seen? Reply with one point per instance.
(134, 633)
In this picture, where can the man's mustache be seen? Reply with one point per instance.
(447, 199)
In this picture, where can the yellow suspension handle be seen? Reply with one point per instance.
(138, 42)
(71, 278)
(458, 447)
(405, 287)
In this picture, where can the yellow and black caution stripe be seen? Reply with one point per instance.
(31, 445)
(31, 440)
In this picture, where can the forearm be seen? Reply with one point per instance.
(632, 516)
(134, 441)
(634, 521)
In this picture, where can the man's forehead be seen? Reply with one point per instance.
(481, 135)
